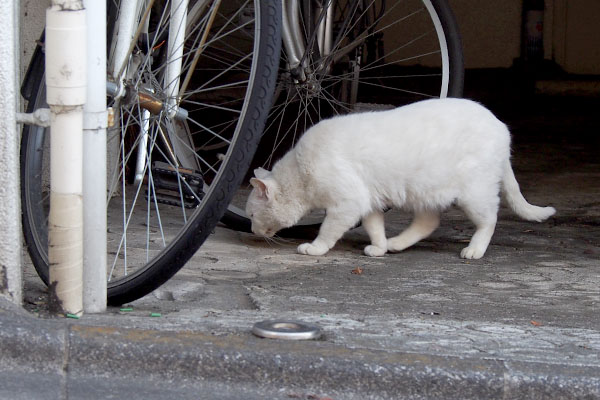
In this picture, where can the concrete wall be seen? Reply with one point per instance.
(574, 37)
(33, 19)
(10, 211)
(491, 32)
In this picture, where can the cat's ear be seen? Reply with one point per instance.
(261, 173)
(262, 187)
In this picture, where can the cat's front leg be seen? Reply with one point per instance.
(335, 224)
(313, 249)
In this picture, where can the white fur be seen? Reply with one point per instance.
(422, 157)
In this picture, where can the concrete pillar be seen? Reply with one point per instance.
(10, 206)
(32, 21)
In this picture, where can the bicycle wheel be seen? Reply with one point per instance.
(172, 174)
(380, 54)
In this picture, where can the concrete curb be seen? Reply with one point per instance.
(71, 353)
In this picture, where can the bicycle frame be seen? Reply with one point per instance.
(135, 13)
(131, 15)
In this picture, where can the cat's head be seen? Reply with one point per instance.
(267, 207)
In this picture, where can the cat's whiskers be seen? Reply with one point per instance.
(269, 240)
(281, 240)
(278, 240)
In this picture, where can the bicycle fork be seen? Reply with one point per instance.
(294, 40)
(132, 14)
(297, 45)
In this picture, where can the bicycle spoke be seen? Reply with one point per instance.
(182, 104)
(212, 106)
(227, 60)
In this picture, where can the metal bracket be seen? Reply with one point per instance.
(95, 120)
(40, 117)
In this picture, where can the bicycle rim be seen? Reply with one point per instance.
(384, 54)
(162, 207)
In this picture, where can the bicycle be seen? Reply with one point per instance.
(352, 56)
(334, 51)
(191, 85)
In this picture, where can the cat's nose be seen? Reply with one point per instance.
(262, 232)
(256, 231)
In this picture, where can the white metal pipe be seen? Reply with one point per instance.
(11, 286)
(94, 167)
(66, 94)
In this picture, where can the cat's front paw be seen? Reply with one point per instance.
(312, 250)
(472, 253)
(374, 251)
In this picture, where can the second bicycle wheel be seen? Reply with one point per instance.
(170, 174)
(344, 56)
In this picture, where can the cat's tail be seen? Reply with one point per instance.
(517, 202)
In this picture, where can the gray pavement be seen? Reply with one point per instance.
(523, 322)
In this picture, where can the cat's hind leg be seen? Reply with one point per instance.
(484, 215)
(335, 224)
(423, 224)
(375, 227)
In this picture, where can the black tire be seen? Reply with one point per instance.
(455, 49)
(235, 217)
(207, 214)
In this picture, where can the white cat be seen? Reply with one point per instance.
(422, 157)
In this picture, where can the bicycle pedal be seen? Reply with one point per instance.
(173, 199)
(176, 186)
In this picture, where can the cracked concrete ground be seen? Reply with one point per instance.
(531, 303)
